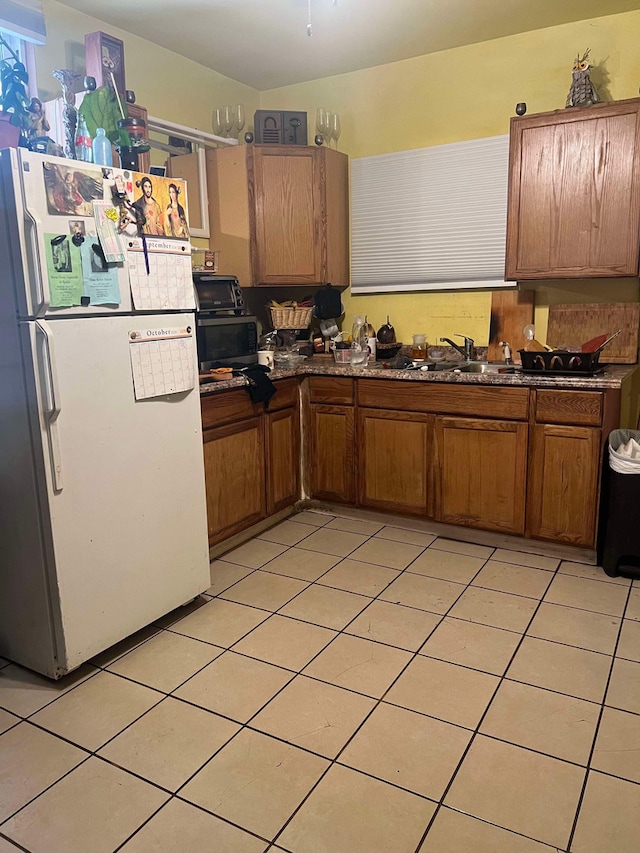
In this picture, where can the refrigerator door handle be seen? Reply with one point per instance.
(40, 283)
(52, 400)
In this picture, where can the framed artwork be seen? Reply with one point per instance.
(104, 60)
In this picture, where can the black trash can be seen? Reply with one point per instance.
(620, 516)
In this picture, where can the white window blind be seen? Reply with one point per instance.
(431, 218)
(23, 18)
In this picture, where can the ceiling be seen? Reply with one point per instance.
(264, 43)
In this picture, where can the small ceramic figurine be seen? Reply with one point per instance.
(38, 124)
(582, 92)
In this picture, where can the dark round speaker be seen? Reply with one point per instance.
(248, 137)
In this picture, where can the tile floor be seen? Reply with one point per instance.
(344, 687)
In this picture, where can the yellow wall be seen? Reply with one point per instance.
(467, 93)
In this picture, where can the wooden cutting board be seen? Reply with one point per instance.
(511, 311)
(573, 325)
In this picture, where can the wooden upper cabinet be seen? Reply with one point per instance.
(279, 214)
(574, 193)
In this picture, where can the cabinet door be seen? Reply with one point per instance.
(564, 466)
(394, 469)
(574, 193)
(481, 473)
(286, 195)
(283, 459)
(330, 459)
(234, 477)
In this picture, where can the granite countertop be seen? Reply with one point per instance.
(612, 377)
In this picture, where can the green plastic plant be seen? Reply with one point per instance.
(13, 82)
(100, 109)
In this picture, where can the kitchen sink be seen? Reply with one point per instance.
(484, 367)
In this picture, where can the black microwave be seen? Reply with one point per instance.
(226, 341)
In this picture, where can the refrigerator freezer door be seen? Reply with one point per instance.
(124, 485)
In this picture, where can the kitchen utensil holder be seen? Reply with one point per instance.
(290, 318)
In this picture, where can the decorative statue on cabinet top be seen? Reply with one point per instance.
(582, 92)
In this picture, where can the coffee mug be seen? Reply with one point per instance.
(265, 357)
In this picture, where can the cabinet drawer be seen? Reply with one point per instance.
(286, 395)
(226, 407)
(480, 401)
(569, 407)
(331, 389)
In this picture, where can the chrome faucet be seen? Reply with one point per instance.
(468, 352)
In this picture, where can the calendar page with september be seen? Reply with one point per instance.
(160, 274)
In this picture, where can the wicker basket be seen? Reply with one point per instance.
(290, 318)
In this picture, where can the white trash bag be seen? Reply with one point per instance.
(624, 451)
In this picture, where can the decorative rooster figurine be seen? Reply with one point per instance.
(582, 92)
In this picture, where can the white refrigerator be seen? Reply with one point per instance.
(102, 499)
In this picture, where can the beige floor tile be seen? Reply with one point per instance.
(354, 525)
(7, 847)
(254, 553)
(96, 808)
(165, 661)
(332, 608)
(633, 606)
(453, 832)
(565, 669)
(601, 597)
(468, 549)
(286, 533)
(264, 590)
(179, 826)
(170, 743)
(180, 613)
(618, 745)
(97, 710)
(557, 725)
(629, 645)
(24, 692)
(470, 644)
(609, 817)
(521, 558)
(224, 575)
(519, 580)
(234, 686)
(359, 665)
(581, 628)
(108, 656)
(285, 642)
(582, 570)
(518, 790)
(498, 609)
(304, 565)
(362, 578)
(354, 813)
(315, 519)
(410, 537)
(256, 782)
(394, 625)
(443, 690)
(7, 720)
(382, 552)
(220, 622)
(624, 687)
(30, 761)
(338, 542)
(407, 749)
(447, 565)
(431, 594)
(316, 716)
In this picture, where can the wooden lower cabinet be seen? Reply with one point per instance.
(394, 467)
(564, 477)
(330, 453)
(234, 464)
(481, 473)
(283, 458)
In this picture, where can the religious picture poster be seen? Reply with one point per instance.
(70, 190)
(64, 270)
(163, 204)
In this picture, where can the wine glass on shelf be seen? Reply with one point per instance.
(238, 120)
(335, 128)
(228, 118)
(321, 123)
(217, 121)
